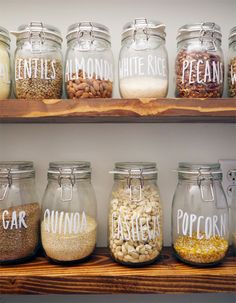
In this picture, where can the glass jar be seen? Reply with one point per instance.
(143, 60)
(232, 64)
(38, 62)
(200, 215)
(135, 215)
(68, 221)
(19, 212)
(5, 70)
(199, 65)
(233, 210)
(89, 61)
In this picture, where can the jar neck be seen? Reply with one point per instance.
(44, 45)
(205, 43)
(89, 43)
(142, 38)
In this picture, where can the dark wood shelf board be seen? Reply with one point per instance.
(119, 111)
(100, 275)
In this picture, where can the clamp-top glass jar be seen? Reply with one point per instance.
(38, 62)
(89, 61)
(5, 70)
(68, 222)
(19, 212)
(199, 65)
(200, 215)
(135, 216)
(232, 64)
(143, 61)
(233, 210)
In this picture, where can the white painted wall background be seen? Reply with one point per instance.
(103, 144)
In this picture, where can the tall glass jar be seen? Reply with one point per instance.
(38, 62)
(232, 64)
(19, 212)
(199, 65)
(89, 61)
(143, 60)
(135, 215)
(68, 221)
(200, 215)
(5, 70)
(233, 210)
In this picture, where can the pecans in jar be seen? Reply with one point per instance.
(135, 228)
(38, 78)
(199, 74)
(84, 87)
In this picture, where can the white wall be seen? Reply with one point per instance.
(103, 144)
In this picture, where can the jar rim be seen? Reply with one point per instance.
(69, 167)
(199, 30)
(135, 168)
(96, 30)
(149, 26)
(232, 35)
(45, 31)
(4, 36)
(16, 167)
(190, 170)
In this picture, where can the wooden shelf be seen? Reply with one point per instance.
(119, 110)
(100, 275)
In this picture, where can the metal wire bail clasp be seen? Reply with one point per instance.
(66, 188)
(137, 175)
(6, 186)
(211, 32)
(140, 23)
(80, 32)
(41, 33)
(202, 178)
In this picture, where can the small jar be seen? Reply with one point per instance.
(143, 60)
(232, 64)
(200, 215)
(233, 210)
(135, 215)
(199, 65)
(5, 70)
(89, 61)
(38, 62)
(68, 221)
(19, 212)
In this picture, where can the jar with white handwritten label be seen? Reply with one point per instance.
(89, 61)
(5, 70)
(68, 221)
(135, 215)
(199, 65)
(232, 64)
(19, 212)
(200, 215)
(38, 62)
(143, 60)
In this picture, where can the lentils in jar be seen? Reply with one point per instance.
(199, 63)
(38, 62)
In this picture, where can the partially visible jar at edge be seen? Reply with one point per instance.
(5, 70)
(199, 65)
(89, 61)
(38, 66)
(19, 212)
(135, 217)
(233, 212)
(232, 64)
(143, 60)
